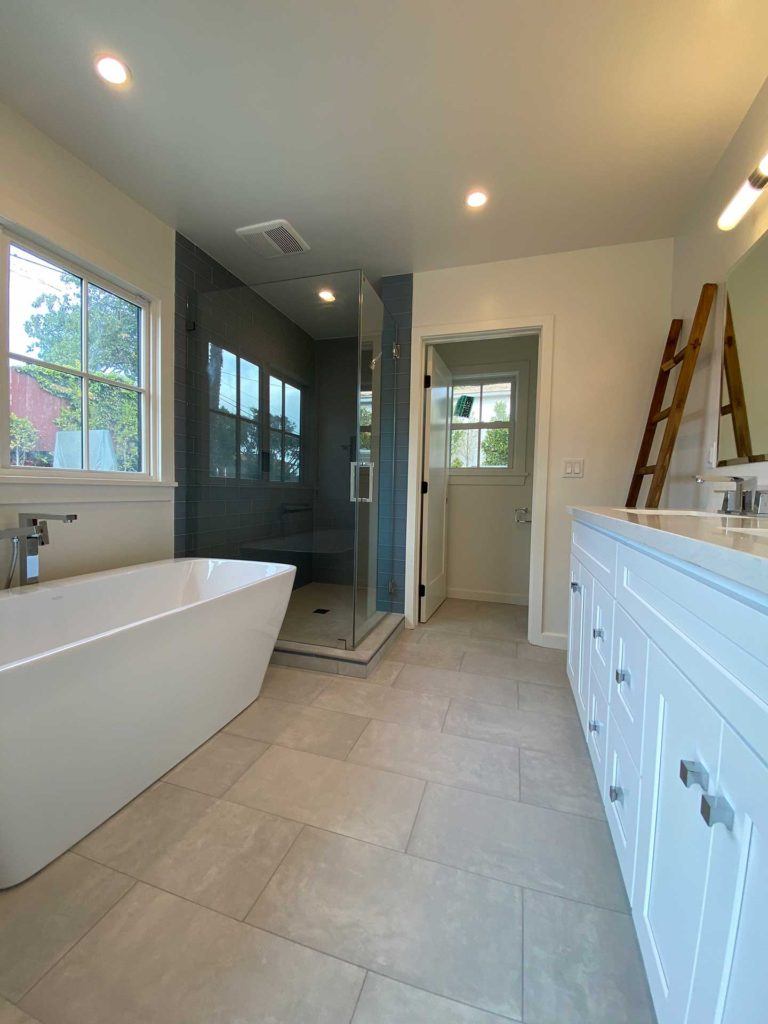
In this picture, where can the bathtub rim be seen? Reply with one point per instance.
(19, 593)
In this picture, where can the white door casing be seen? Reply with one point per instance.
(437, 428)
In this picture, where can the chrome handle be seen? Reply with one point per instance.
(598, 633)
(575, 586)
(352, 481)
(594, 726)
(716, 810)
(369, 467)
(694, 774)
(622, 676)
(616, 793)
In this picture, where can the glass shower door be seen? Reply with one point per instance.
(370, 571)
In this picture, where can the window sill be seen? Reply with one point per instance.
(24, 488)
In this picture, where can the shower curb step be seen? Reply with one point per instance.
(360, 662)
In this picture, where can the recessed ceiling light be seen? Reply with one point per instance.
(477, 198)
(112, 70)
(327, 295)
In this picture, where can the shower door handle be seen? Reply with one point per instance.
(369, 467)
(353, 481)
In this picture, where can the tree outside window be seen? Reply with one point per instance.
(482, 425)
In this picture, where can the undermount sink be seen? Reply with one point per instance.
(668, 512)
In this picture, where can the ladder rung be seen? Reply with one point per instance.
(678, 357)
(726, 410)
(662, 415)
(645, 471)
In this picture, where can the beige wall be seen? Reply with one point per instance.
(488, 553)
(704, 253)
(49, 195)
(611, 314)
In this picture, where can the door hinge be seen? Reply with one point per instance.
(422, 590)
(392, 587)
(424, 487)
(427, 380)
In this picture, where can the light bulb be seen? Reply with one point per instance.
(326, 295)
(477, 199)
(738, 206)
(112, 70)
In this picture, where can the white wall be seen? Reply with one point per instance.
(488, 552)
(704, 253)
(611, 315)
(49, 195)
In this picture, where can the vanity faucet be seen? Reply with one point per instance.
(32, 535)
(740, 501)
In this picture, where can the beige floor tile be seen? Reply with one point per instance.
(528, 846)
(41, 918)
(453, 933)
(562, 783)
(294, 725)
(457, 684)
(533, 652)
(10, 1014)
(554, 700)
(386, 671)
(426, 652)
(384, 1001)
(214, 766)
(582, 965)
(436, 757)
(212, 852)
(533, 730)
(422, 710)
(376, 806)
(157, 959)
(515, 668)
(501, 621)
(296, 685)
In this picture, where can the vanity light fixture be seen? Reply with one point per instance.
(745, 197)
(326, 295)
(112, 70)
(477, 199)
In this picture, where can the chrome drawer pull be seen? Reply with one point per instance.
(694, 774)
(594, 726)
(716, 810)
(616, 793)
(575, 586)
(598, 633)
(622, 676)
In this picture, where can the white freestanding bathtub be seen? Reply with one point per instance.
(108, 680)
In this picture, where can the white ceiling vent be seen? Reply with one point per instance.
(273, 238)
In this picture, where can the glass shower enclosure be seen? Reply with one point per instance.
(347, 437)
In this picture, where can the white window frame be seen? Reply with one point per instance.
(238, 417)
(147, 387)
(516, 471)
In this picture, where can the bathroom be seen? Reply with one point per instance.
(383, 642)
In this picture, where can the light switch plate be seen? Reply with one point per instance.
(573, 468)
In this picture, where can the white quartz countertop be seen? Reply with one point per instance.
(734, 547)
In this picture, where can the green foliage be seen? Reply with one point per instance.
(495, 442)
(23, 438)
(113, 335)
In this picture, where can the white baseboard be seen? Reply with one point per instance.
(487, 595)
(557, 641)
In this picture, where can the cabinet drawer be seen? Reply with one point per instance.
(600, 636)
(628, 680)
(597, 552)
(597, 730)
(622, 800)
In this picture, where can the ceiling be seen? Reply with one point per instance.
(589, 122)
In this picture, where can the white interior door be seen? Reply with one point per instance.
(437, 425)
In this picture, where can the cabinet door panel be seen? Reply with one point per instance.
(581, 693)
(628, 680)
(600, 636)
(597, 731)
(673, 840)
(731, 985)
(622, 797)
(575, 623)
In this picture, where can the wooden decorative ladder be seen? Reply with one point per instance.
(736, 406)
(673, 413)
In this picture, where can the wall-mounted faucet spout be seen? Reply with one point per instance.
(28, 538)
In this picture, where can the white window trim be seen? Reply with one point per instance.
(149, 385)
(517, 471)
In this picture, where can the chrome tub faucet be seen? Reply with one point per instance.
(27, 539)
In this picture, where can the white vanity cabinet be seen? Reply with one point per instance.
(669, 669)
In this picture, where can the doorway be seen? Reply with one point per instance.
(477, 480)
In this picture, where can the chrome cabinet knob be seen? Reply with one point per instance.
(622, 676)
(575, 586)
(692, 773)
(598, 633)
(616, 793)
(716, 810)
(594, 726)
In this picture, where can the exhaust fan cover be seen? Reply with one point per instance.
(273, 238)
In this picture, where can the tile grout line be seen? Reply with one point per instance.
(359, 996)
(272, 875)
(415, 818)
(77, 942)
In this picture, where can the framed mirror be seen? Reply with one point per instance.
(743, 432)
